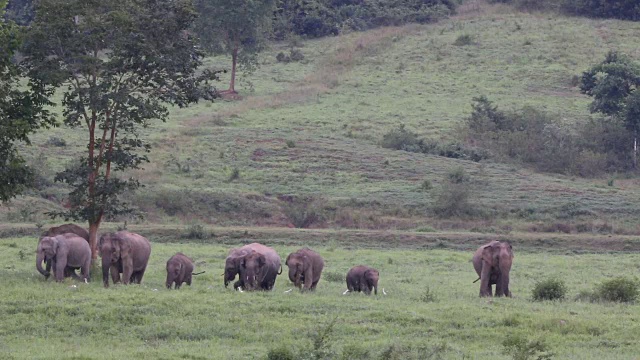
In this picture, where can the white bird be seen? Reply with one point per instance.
(288, 291)
(384, 292)
(240, 289)
(345, 292)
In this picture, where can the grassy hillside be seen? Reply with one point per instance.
(312, 129)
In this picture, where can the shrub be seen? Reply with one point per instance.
(620, 289)
(457, 175)
(281, 353)
(453, 200)
(401, 139)
(426, 185)
(334, 276)
(520, 348)
(428, 296)
(291, 144)
(195, 231)
(463, 40)
(549, 289)
(56, 141)
(235, 174)
(354, 352)
(303, 211)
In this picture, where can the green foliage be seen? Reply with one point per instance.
(549, 289)
(330, 17)
(521, 348)
(294, 55)
(121, 64)
(619, 9)
(400, 138)
(22, 112)
(453, 198)
(619, 289)
(236, 28)
(196, 231)
(464, 40)
(333, 276)
(304, 211)
(281, 352)
(428, 296)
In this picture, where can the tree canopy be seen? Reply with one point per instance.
(119, 64)
(238, 28)
(614, 85)
(21, 112)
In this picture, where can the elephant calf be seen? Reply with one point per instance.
(492, 263)
(123, 252)
(363, 278)
(179, 270)
(305, 268)
(65, 253)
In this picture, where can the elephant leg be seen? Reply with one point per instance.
(313, 286)
(60, 267)
(139, 276)
(47, 268)
(115, 274)
(84, 270)
(485, 283)
(188, 280)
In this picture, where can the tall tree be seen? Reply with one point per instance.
(21, 112)
(119, 64)
(614, 85)
(235, 27)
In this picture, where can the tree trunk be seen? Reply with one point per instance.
(234, 62)
(93, 239)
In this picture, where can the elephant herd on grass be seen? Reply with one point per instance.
(125, 255)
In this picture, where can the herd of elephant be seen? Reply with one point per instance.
(65, 249)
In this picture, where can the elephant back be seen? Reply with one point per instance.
(67, 228)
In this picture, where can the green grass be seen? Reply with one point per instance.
(42, 319)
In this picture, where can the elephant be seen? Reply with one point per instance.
(492, 263)
(123, 252)
(64, 229)
(179, 270)
(257, 266)
(363, 278)
(305, 267)
(65, 253)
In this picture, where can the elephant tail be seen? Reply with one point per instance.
(201, 272)
(476, 280)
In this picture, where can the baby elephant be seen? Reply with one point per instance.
(179, 270)
(363, 278)
(305, 268)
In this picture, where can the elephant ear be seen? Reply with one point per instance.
(488, 252)
(262, 260)
(55, 244)
(121, 244)
(286, 262)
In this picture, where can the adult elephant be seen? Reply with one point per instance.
(363, 278)
(257, 266)
(305, 268)
(64, 253)
(123, 252)
(64, 229)
(492, 263)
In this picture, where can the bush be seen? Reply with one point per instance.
(303, 211)
(453, 201)
(520, 348)
(281, 353)
(195, 231)
(334, 276)
(619, 289)
(428, 296)
(549, 289)
(56, 141)
(463, 40)
(401, 139)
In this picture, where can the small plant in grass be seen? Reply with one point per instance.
(428, 296)
(235, 175)
(610, 182)
(56, 141)
(549, 289)
(281, 353)
(195, 231)
(401, 139)
(463, 40)
(426, 185)
(521, 348)
(620, 289)
(332, 276)
(291, 144)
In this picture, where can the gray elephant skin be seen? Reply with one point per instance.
(257, 266)
(179, 270)
(492, 263)
(123, 252)
(69, 271)
(64, 252)
(305, 268)
(363, 278)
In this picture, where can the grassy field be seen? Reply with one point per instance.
(312, 128)
(431, 309)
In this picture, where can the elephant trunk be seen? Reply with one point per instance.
(505, 284)
(106, 264)
(39, 259)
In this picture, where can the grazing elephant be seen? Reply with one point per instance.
(64, 253)
(123, 252)
(179, 270)
(257, 266)
(363, 278)
(305, 267)
(492, 263)
(64, 229)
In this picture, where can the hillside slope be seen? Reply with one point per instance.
(312, 129)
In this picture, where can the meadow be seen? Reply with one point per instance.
(431, 310)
